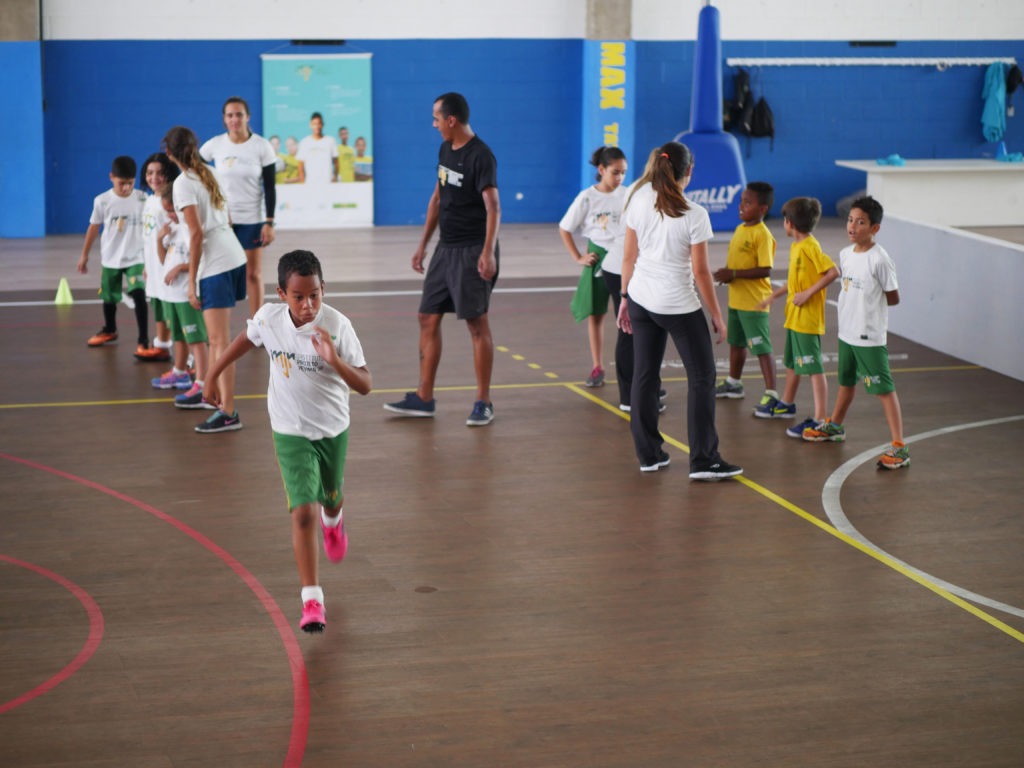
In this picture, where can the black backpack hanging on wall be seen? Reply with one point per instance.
(762, 121)
(740, 110)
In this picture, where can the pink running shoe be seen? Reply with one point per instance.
(313, 619)
(335, 541)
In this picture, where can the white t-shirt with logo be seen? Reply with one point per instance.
(177, 245)
(221, 250)
(240, 169)
(662, 279)
(597, 216)
(863, 310)
(153, 218)
(306, 397)
(318, 156)
(121, 235)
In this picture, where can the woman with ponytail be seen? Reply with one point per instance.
(665, 276)
(216, 267)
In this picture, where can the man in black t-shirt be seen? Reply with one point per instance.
(464, 267)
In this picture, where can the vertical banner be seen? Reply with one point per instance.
(318, 114)
(609, 102)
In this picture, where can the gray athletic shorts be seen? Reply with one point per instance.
(453, 283)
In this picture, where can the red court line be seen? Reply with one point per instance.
(91, 643)
(300, 679)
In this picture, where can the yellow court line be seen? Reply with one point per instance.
(832, 531)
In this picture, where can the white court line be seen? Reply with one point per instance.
(834, 511)
(337, 295)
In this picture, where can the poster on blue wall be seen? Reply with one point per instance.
(317, 112)
(609, 101)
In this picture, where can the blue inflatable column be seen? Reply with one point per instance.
(718, 175)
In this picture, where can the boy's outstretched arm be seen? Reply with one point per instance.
(892, 298)
(358, 379)
(780, 291)
(236, 349)
(90, 237)
(801, 298)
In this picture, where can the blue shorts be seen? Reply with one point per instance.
(248, 235)
(223, 290)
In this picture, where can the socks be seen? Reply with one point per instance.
(330, 522)
(313, 593)
(733, 382)
(163, 344)
(772, 393)
(141, 315)
(109, 317)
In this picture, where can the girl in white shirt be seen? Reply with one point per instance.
(246, 164)
(216, 273)
(665, 275)
(597, 214)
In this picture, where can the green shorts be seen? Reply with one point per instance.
(803, 353)
(111, 280)
(186, 322)
(749, 329)
(313, 471)
(159, 310)
(869, 364)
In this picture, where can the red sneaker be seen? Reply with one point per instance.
(313, 619)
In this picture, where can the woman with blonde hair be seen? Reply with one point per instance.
(665, 276)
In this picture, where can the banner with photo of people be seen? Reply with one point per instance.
(318, 114)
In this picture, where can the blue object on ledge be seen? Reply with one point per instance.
(891, 160)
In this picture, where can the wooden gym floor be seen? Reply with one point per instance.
(515, 595)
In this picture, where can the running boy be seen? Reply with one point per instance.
(810, 272)
(869, 288)
(315, 359)
(747, 269)
(118, 214)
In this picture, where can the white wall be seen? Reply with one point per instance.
(410, 19)
(835, 19)
(311, 19)
(959, 293)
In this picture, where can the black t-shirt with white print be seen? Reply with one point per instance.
(463, 175)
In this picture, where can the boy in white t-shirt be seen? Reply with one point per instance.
(869, 288)
(315, 359)
(117, 213)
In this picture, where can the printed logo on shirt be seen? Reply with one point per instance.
(288, 360)
(448, 177)
(229, 162)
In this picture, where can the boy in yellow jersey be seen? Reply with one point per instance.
(746, 272)
(810, 272)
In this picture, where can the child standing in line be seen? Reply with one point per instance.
(315, 359)
(157, 172)
(810, 272)
(185, 322)
(747, 269)
(117, 213)
(869, 288)
(597, 213)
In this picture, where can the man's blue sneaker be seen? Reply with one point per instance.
(482, 415)
(413, 405)
(797, 430)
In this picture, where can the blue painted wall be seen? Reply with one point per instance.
(110, 98)
(106, 98)
(21, 134)
(827, 113)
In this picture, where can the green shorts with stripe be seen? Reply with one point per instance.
(867, 364)
(111, 281)
(803, 353)
(313, 471)
(749, 329)
(186, 322)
